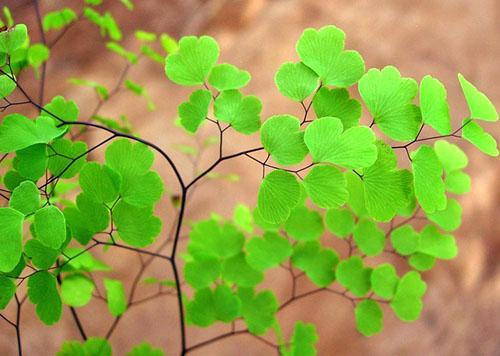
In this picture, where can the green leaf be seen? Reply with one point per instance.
(145, 36)
(304, 224)
(450, 218)
(242, 113)
(407, 302)
(318, 263)
(326, 186)
(389, 98)
(384, 280)
(279, 193)
(479, 105)
(94, 346)
(323, 51)
(31, 162)
(192, 62)
(451, 156)
(258, 310)
(142, 191)
(427, 177)
(369, 317)
(354, 276)
(115, 294)
(56, 20)
(296, 81)
(7, 291)
(369, 237)
(282, 138)
(262, 223)
(438, 245)
(339, 222)
(356, 190)
(236, 270)
(7, 86)
(195, 111)
(18, 132)
(61, 109)
(99, 182)
(131, 57)
(303, 340)
(476, 135)
(87, 218)
(67, 158)
(42, 291)
(80, 260)
(136, 226)
(201, 274)
(353, 148)
(226, 77)
(434, 106)
(405, 240)
(210, 240)
(13, 38)
(336, 103)
(42, 256)
(243, 218)
(386, 189)
(101, 90)
(268, 251)
(50, 226)
(38, 54)
(145, 349)
(457, 182)
(76, 290)
(25, 198)
(209, 306)
(168, 43)
(421, 261)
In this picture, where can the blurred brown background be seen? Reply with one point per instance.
(462, 306)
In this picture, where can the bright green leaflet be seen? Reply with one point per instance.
(318, 263)
(323, 51)
(451, 156)
(427, 177)
(296, 81)
(384, 280)
(407, 302)
(369, 237)
(41, 256)
(7, 86)
(237, 270)
(226, 77)
(304, 224)
(369, 317)
(450, 218)
(303, 340)
(7, 291)
(386, 189)
(129, 159)
(56, 20)
(457, 182)
(354, 276)
(38, 54)
(94, 346)
(438, 245)
(353, 148)
(279, 193)
(13, 38)
(326, 186)
(192, 62)
(336, 103)
(268, 251)
(241, 112)
(209, 306)
(389, 98)
(11, 235)
(258, 310)
(145, 349)
(18, 132)
(243, 218)
(356, 189)
(76, 290)
(476, 135)
(281, 137)
(25, 198)
(115, 294)
(208, 239)
(339, 222)
(405, 240)
(50, 226)
(99, 182)
(479, 105)
(202, 273)
(59, 162)
(136, 226)
(434, 106)
(42, 291)
(61, 109)
(31, 162)
(421, 261)
(195, 111)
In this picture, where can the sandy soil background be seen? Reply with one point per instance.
(462, 305)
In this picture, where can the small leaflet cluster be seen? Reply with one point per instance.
(327, 177)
